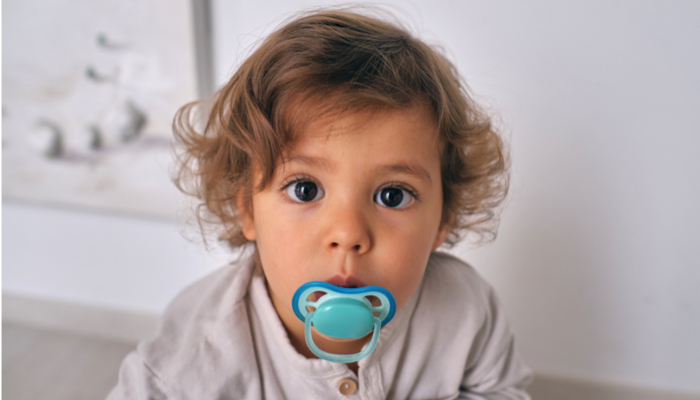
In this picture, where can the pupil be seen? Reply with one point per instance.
(305, 191)
(392, 197)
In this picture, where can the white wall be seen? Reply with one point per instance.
(596, 260)
(104, 260)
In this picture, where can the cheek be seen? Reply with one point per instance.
(406, 247)
(404, 261)
(284, 250)
(413, 235)
(284, 240)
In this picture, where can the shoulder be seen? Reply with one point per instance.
(453, 290)
(207, 319)
(450, 278)
(472, 311)
(207, 300)
(452, 330)
(454, 298)
(215, 293)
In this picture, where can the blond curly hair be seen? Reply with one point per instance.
(351, 62)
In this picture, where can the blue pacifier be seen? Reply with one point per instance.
(343, 313)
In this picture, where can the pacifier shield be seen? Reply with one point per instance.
(343, 313)
(301, 302)
(343, 318)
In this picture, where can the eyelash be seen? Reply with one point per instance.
(295, 179)
(399, 185)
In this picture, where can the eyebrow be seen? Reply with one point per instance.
(408, 169)
(313, 161)
(400, 168)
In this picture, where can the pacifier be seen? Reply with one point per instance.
(343, 313)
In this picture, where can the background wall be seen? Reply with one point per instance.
(596, 260)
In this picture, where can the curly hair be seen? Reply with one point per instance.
(351, 62)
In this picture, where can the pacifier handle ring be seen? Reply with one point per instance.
(340, 358)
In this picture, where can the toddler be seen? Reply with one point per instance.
(343, 151)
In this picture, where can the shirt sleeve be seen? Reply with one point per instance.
(136, 381)
(494, 369)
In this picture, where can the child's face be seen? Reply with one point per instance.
(356, 202)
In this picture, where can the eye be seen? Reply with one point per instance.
(393, 197)
(304, 191)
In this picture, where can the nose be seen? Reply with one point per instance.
(348, 229)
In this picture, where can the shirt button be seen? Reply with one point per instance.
(347, 386)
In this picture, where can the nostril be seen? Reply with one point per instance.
(356, 247)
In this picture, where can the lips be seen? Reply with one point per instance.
(346, 282)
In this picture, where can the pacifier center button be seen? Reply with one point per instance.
(347, 386)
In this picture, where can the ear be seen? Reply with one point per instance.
(441, 235)
(245, 213)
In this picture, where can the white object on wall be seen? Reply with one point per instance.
(89, 94)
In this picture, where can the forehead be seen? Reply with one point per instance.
(319, 122)
(384, 139)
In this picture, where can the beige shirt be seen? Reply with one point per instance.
(222, 339)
